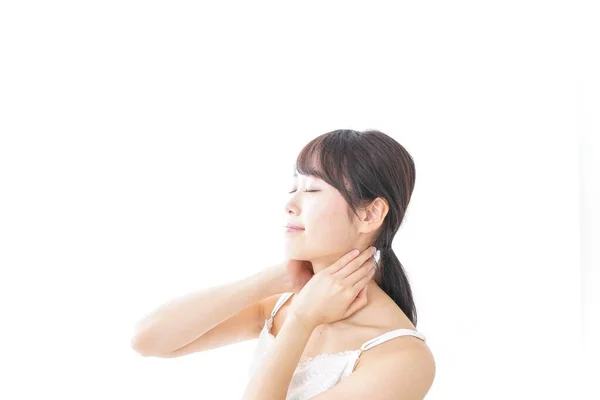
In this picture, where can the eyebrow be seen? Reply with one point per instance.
(296, 175)
(313, 177)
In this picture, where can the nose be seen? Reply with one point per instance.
(291, 210)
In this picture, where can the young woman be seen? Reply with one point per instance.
(336, 320)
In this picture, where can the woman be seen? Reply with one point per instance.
(345, 325)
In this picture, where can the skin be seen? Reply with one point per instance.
(327, 240)
(328, 234)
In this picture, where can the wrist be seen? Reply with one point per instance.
(301, 321)
(276, 279)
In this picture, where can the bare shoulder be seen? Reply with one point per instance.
(401, 367)
(402, 349)
(407, 372)
(385, 316)
(405, 366)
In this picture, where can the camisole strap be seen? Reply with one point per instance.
(384, 338)
(282, 299)
(390, 335)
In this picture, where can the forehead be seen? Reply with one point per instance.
(298, 175)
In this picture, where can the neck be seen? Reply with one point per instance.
(322, 263)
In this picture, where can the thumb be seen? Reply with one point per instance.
(363, 292)
(359, 302)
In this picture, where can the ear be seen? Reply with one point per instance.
(372, 216)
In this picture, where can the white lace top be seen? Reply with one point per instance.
(314, 375)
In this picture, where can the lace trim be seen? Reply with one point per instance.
(367, 345)
(306, 360)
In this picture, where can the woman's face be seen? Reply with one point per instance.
(322, 211)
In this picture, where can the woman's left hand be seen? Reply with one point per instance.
(337, 291)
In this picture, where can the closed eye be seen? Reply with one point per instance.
(307, 191)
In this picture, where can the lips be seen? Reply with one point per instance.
(294, 227)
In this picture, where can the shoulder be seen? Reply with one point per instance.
(400, 368)
(408, 369)
(385, 316)
(401, 349)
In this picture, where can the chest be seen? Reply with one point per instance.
(325, 339)
(313, 373)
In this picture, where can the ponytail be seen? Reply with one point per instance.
(391, 277)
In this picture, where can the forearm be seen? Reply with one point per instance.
(186, 318)
(272, 379)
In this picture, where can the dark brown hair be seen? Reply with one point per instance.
(363, 166)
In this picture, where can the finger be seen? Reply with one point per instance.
(359, 273)
(355, 264)
(361, 277)
(342, 262)
(342, 270)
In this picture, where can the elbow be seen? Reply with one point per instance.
(141, 343)
(144, 351)
(138, 345)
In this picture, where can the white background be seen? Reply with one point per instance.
(146, 151)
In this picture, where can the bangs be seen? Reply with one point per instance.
(320, 159)
(327, 157)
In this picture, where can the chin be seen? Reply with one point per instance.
(296, 253)
(293, 254)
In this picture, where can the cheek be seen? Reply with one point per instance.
(330, 226)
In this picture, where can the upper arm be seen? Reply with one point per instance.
(406, 374)
(244, 325)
